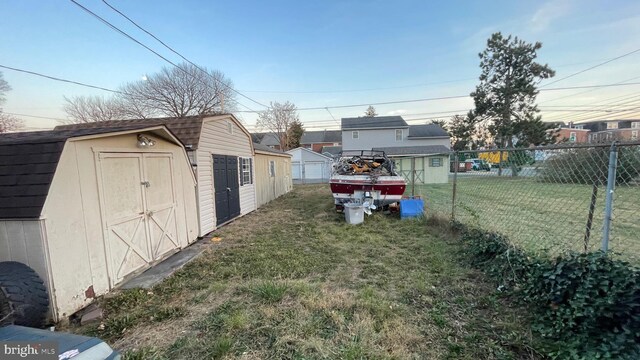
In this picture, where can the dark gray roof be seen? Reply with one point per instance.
(186, 129)
(323, 136)
(373, 122)
(270, 139)
(265, 148)
(414, 150)
(28, 162)
(425, 131)
(333, 150)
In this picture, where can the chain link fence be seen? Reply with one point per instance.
(547, 200)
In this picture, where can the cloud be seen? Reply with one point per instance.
(548, 13)
(397, 112)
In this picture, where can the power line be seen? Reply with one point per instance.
(177, 53)
(61, 79)
(592, 67)
(123, 33)
(35, 116)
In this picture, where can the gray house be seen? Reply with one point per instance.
(428, 144)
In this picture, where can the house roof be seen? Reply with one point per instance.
(301, 149)
(414, 150)
(377, 122)
(426, 131)
(323, 136)
(333, 150)
(28, 161)
(264, 148)
(270, 139)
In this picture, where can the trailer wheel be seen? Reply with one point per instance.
(23, 296)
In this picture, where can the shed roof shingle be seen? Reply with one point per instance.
(186, 129)
(28, 162)
(373, 122)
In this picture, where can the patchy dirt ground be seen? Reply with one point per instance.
(294, 281)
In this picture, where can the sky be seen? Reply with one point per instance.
(323, 53)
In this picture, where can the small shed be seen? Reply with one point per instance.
(273, 173)
(88, 208)
(221, 153)
(427, 164)
(309, 167)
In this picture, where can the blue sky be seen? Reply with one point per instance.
(317, 53)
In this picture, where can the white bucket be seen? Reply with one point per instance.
(353, 213)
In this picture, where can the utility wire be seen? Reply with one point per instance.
(123, 33)
(35, 116)
(180, 55)
(591, 68)
(61, 79)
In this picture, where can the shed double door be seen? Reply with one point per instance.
(226, 187)
(138, 199)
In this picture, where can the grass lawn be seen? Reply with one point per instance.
(540, 216)
(294, 281)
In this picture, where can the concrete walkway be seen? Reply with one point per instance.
(167, 267)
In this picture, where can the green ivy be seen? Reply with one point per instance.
(587, 305)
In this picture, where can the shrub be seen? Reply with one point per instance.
(591, 165)
(587, 305)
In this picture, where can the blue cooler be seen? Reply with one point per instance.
(411, 208)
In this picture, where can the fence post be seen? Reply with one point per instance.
(611, 180)
(455, 183)
(413, 178)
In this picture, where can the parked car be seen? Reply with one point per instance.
(24, 304)
(479, 164)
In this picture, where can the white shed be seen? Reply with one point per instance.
(308, 167)
(88, 208)
(221, 153)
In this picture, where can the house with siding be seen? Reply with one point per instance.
(424, 148)
(222, 156)
(316, 140)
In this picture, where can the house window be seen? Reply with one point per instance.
(247, 172)
(572, 137)
(579, 127)
(355, 135)
(635, 125)
(398, 134)
(634, 135)
(435, 162)
(229, 127)
(272, 168)
(612, 125)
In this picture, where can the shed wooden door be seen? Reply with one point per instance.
(226, 187)
(137, 193)
(160, 204)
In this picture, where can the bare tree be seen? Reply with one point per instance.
(173, 92)
(7, 122)
(88, 109)
(278, 119)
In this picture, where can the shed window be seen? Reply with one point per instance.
(435, 162)
(229, 127)
(272, 168)
(355, 135)
(398, 134)
(247, 171)
(572, 137)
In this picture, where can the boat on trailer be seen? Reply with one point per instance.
(365, 177)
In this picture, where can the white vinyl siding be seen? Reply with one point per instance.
(215, 139)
